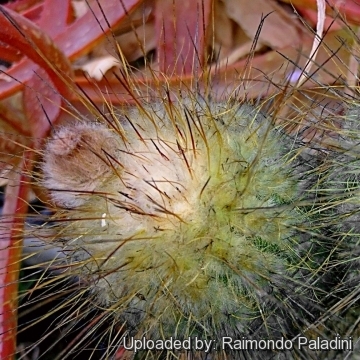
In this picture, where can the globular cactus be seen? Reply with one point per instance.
(190, 218)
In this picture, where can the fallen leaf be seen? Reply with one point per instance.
(278, 28)
(97, 67)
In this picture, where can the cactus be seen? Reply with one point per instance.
(200, 219)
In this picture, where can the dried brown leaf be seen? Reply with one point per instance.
(279, 29)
